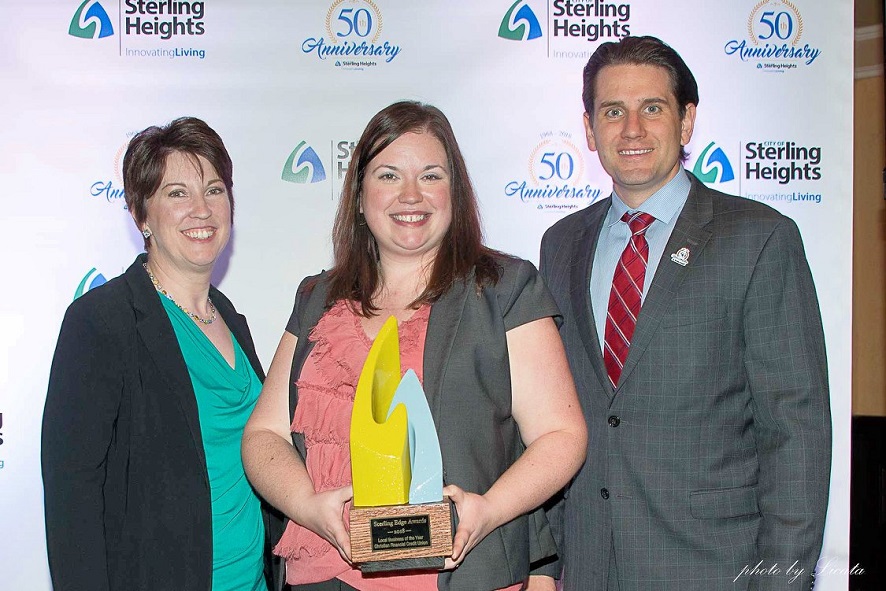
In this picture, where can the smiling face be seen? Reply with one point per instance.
(189, 216)
(406, 197)
(637, 130)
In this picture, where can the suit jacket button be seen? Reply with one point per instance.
(614, 421)
(604, 493)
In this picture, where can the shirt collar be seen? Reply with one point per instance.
(663, 205)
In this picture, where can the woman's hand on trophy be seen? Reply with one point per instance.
(326, 514)
(476, 518)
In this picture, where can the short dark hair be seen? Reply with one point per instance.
(145, 161)
(355, 276)
(641, 51)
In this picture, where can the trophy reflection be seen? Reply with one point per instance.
(400, 520)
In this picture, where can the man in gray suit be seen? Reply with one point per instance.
(693, 332)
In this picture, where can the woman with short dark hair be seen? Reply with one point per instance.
(153, 379)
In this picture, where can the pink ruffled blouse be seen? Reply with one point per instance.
(326, 390)
(325, 398)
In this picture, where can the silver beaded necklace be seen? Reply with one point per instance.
(190, 314)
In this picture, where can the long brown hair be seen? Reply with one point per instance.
(355, 276)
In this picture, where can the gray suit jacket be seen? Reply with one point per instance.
(714, 452)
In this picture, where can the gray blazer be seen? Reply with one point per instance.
(467, 383)
(714, 452)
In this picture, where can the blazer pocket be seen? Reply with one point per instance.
(722, 503)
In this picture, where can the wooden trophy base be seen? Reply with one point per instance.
(401, 537)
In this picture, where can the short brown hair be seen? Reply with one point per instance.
(355, 275)
(145, 161)
(641, 51)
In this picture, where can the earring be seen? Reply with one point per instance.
(147, 233)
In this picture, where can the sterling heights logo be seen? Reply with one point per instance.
(90, 281)
(570, 25)
(303, 166)
(92, 22)
(795, 167)
(155, 27)
(713, 166)
(165, 18)
(591, 20)
(519, 23)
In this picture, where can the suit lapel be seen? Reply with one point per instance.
(689, 232)
(443, 324)
(158, 336)
(584, 248)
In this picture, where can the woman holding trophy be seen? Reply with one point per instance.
(477, 326)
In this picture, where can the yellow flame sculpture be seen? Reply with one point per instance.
(380, 464)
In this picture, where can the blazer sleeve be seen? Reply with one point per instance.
(82, 402)
(554, 507)
(310, 303)
(523, 296)
(787, 372)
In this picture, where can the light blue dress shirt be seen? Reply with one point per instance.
(665, 206)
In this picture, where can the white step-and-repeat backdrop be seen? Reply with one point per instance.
(290, 85)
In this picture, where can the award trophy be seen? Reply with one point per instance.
(400, 520)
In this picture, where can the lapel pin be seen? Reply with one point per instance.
(681, 257)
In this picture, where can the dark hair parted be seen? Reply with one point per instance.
(145, 161)
(355, 276)
(641, 51)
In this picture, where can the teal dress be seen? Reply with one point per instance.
(225, 398)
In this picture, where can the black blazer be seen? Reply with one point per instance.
(127, 495)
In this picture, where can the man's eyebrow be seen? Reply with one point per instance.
(611, 104)
(646, 101)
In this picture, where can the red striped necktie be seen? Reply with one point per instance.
(626, 295)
